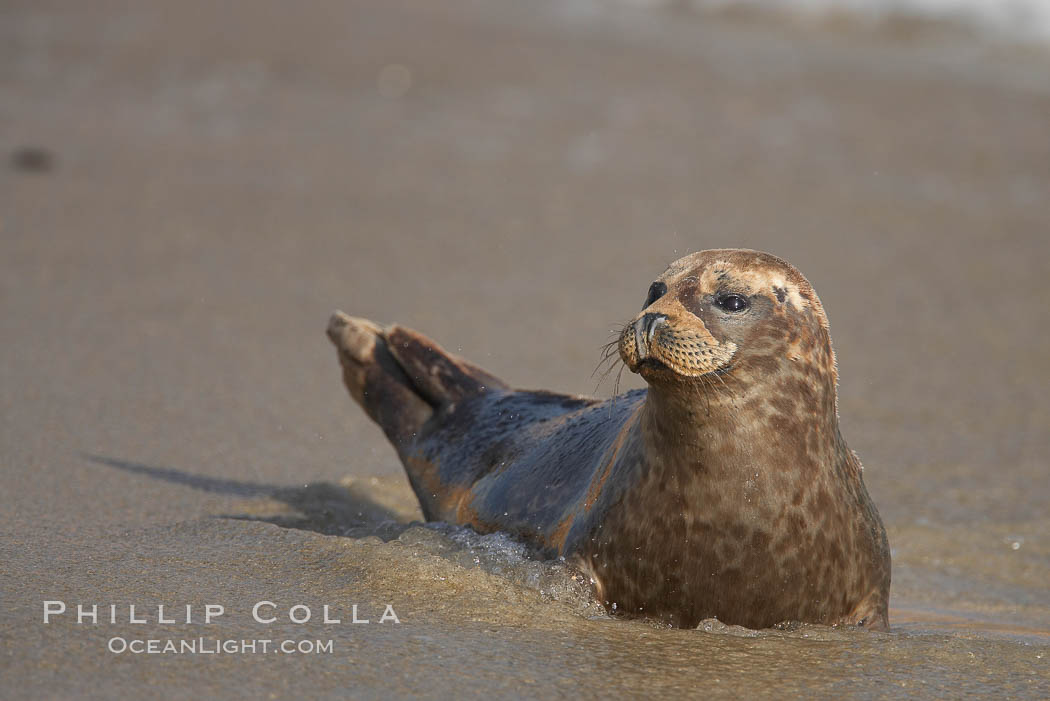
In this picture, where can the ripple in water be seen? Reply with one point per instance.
(501, 555)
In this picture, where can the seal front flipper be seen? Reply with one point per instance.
(399, 377)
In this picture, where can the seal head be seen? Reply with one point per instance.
(721, 308)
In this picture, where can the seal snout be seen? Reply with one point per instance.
(659, 346)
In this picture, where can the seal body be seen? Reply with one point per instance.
(724, 489)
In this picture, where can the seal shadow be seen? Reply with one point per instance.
(322, 507)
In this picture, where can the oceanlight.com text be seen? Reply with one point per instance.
(217, 646)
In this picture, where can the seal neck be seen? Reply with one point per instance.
(673, 419)
(733, 426)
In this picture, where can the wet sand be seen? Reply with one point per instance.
(187, 191)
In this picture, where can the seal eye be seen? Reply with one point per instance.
(732, 303)
(656, 291)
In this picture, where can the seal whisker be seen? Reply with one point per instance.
(616, 385)
(601, 361)
(605, 373)
(610, 353)
(606, 357)
(719, 376)
(705, 396)
(610, 348)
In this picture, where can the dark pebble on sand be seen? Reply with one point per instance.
(32, 159)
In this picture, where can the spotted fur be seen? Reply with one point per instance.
(723, 490)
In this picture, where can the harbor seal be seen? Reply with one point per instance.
(724, 490)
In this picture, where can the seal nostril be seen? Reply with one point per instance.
(645, 328)
(657, 320)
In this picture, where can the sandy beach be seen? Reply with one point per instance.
(188, 189)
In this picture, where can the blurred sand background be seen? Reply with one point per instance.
(188, 189)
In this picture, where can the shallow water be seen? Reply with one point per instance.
(188, 191)
(475, 612)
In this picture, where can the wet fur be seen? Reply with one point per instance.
(723, 490)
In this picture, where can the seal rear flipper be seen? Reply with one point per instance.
(400, 376)
(439, 376)
(375, 379)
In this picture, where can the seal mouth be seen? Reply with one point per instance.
(655, 370)
(724, 370)
(651, 363)
(651, 367)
